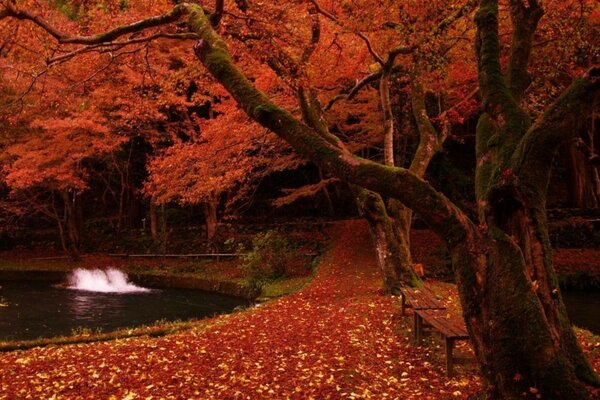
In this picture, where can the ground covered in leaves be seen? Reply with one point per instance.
(337, 338)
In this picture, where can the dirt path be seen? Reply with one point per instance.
(338, 338)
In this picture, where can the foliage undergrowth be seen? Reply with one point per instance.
(272, 256)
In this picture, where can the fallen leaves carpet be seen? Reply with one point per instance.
(339, 338)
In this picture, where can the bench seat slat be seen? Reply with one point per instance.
(421, 298)
(450, 326)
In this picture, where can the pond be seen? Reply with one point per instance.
(584, 308)
(40, 309)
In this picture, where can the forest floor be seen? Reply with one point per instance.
(336, 338)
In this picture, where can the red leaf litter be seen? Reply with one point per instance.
(339, 338)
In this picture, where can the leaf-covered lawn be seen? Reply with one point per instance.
(337, 338)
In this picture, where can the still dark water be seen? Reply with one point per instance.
(37, 309)
(584, 309)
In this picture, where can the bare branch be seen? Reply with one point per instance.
(120, 44)
(361, 35)
(373, 77)
(466, 9)
(315, 36)
(151, 22)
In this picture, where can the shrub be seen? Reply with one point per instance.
(272, 256)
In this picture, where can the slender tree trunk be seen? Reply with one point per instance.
(398, 215)
(71, 223)
(211, 221)
(583, 187)
(163, 229)
(78, 216)
(327, 196)
(154, 223)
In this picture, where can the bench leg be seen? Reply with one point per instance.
(403, 304)
(417, 328)
(449, 347)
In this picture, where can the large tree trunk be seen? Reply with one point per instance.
(393, 252)
(524, 341)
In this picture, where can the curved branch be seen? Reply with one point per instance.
(430, 141)
(151, 22)
(439, 212)
(373, 77)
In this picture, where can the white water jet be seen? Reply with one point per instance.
(108, 280)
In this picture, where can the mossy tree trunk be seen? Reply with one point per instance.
(526, 339)
(430, 143)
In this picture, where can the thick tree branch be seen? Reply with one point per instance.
(447, 22)
(524, 20)
(393, 255)
(504, 122)
(496, 96)
(532, 162)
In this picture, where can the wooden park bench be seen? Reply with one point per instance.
(451, 327)
(419, 299)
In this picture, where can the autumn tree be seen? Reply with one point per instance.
(223, 165)
(502, 261)
(423, 49)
